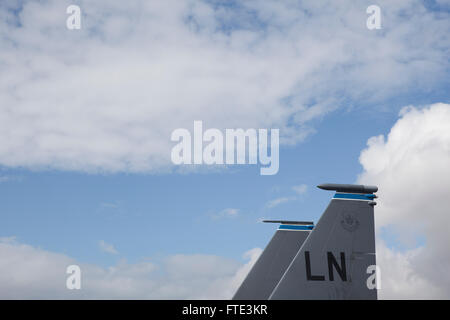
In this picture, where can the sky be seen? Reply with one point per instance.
(86, 118)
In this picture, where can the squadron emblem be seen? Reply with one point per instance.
(349, 222)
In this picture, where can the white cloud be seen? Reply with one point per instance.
(226, 213)
(231, 212)
(275, 202)
(106, 247)
(107, 97)
(399, 278)
(27, 272)
(411, 169)
(300, 189)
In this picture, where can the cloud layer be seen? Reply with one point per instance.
(107, 97)
(27, 272)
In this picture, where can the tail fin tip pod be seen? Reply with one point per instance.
(352, 188)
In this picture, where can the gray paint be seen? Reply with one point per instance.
(271, 265)
(333, 233)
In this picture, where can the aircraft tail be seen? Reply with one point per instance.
(274, 260)
(332, 260)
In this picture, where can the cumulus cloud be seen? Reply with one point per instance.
(411, 168)
(107, 97)
(27, 272)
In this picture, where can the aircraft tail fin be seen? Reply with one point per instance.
(334, 260)
(274, 260)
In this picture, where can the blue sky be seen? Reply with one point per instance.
(152, 215)
(86, 117)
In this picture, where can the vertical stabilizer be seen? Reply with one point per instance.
(274, 260)
(333, 261)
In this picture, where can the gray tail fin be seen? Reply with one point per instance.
(274, 260)
(334, 261)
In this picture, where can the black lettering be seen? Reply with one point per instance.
(308, 270)
(341, 270)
